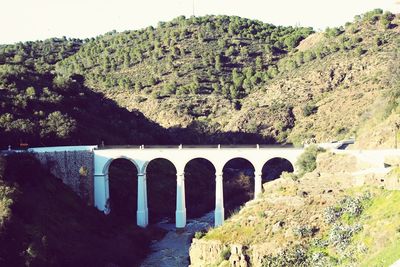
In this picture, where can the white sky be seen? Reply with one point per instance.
(30, 20)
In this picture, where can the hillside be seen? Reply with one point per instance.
(225, 75)
(38, 108)
(43, 223)
(320, 219)
(213, 79)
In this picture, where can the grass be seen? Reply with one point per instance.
(381, 231)
(376, 244)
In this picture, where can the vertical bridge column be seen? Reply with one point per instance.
(101, 193)
(257, 184)
(142, 214)
(180, 214)
(219, 200)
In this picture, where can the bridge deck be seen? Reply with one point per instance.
(194, 147)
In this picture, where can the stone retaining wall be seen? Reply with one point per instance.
(75, 168)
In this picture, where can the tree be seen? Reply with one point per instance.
(216, 88)
(138, 87)
(259, 63)
(307, 162)
(30, 92)
(386, 19)
(218, 65)
(234, 92)
(58, 124)
(195, 85)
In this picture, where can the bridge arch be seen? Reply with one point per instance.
(109, 161)
(160, 173)
(145, 165)
(238, 182)
(200, 186)
(274, 167)
(122, 175)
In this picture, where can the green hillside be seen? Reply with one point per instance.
(213, 79)
(38, 108)
(225, 78)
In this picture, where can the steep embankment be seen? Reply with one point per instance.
(43, 223)
(320, 219)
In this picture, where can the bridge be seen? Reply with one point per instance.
(180, 156)
(100, 159)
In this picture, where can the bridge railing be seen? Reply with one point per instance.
(216, 146)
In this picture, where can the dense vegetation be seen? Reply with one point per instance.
(43, 223)
(200, 55)
(38, 108)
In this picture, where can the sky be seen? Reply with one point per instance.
(30, 20)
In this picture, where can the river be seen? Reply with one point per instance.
(173, 248)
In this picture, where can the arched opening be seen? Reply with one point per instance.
(274, 167)
(161, 190)
(238, 184)
(122, 175)
(200, 187)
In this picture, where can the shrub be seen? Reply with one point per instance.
(199, 235)
(305, 231)
(332, 214)
(340, 235)
(309, 109)
(333, 32)
(359, 51)
(352, 206)
(296, 256)
(307, 161)
(226, 253)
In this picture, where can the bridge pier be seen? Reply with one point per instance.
(219, 200)
(142, 214)
(257, 184)
(180, 214)
(101, 193)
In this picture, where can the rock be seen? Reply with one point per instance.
(205, 252)
(302, 193)
(237, 258)
(277, 226)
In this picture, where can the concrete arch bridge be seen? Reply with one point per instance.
(180, 156)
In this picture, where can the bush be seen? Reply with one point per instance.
(333, 32)
(307, 161)
(296, 256)
(359, 51)
(340, 235)
(199, 235)
(226, 253)
(332, 214)
(352, 206)
(309, 109)
(305, 231)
